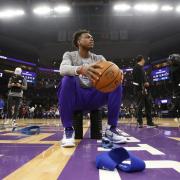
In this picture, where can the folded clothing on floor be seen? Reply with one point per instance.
(115, 159)
(30, 130)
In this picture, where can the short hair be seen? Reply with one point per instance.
(18, 71)
(139, 58)
(76, 36)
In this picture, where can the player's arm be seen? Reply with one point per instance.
(91, 70)
(10, 83)
(24, 85)
(144, 79)
(66, 67)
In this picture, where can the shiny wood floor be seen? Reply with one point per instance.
(49, 163)
(169, 122)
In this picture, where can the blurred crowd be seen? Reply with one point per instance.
(31, 111)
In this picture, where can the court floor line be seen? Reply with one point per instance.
(175, 138)
(109, 175)
(47, 165)
(36, 139)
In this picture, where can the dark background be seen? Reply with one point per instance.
(117, 35)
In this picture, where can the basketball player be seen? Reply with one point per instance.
(141, 93)
(75, 91)
(16, 85)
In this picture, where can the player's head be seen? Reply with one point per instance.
(140, 60)
(18, 71)
(83, 39)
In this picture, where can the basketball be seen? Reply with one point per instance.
(111, 77)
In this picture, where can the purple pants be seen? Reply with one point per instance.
(72, 97)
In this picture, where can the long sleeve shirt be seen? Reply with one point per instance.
(17, 91)
(72, 60)
(139, 76)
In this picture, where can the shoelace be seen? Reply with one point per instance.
(116, 131)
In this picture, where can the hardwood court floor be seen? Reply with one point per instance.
(42, 157)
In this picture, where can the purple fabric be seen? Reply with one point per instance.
(72, 97)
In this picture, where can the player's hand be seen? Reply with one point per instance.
(12, 84)
(91, 71)
(18, 85)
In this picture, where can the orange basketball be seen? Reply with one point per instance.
(111, 77)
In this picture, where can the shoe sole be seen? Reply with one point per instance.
(117, 142)
(68, 145)
(152, 126)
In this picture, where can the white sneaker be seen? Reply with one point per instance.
(14, 124)
(68, 139)
(115, 136)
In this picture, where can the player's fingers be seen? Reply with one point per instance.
(93, 76)
(95, 71)
(97, 66)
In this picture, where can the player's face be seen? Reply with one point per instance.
(143, 61)
(86, 41)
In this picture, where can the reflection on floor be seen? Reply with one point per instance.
(41, 156)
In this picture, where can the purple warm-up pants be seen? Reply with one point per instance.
(72, 97)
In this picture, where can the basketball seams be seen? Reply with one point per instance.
(103, 73)
(110, 82)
